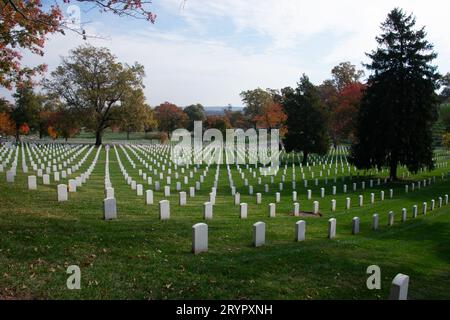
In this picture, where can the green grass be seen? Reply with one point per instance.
(139, 257)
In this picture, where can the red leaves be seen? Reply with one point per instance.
(273, 117)
(25, 25)
(24, 129)
(170, 117)
(343, 117)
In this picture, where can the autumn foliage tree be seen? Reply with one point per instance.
(343, 117)
(25, 24)
(218, 122)
(66, 122)
(7, 125)
(237, 118)
(170, 117)
(273, 117)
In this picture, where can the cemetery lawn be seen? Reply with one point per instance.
(139, 257)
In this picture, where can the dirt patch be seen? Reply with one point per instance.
(307, 214)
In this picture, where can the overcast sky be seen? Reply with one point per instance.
(208, 51)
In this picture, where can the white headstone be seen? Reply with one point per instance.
(243, 211)
(62, 193)
(109, 209)
(139, 190)
(316, 207)
(207, 211)
(149, 197)
(258, 198)
(164, 210)
(399, 287)
(32, 184)
(182, 198)
(355, 225)
(259, 234)
(403, 218)
(72, 185)
(296, 209)
(300, 229)
(199, 238)
(391, 218)
(272, 209)
(375, 221)
(331, 228)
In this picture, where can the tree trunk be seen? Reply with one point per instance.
(128, 135)
(40, 134)
(98, 138)
(305, 158)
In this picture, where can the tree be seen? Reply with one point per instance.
(25, 25)
(237, 119)
(218, 122)
(307, 120)
(445, 93)
(400, 105)
(150, 122)
(91, 81)
(273, 117)
(132, 112)
(26, 109)
(5, 106)
(344, 74)
(195, 112)
(23, 129)
(170, 117)
(255, 101)
(66, 122)
(446, 140)
(343, 116)
(444, 116)
(7, 125)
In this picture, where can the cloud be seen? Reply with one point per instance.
(209, 51)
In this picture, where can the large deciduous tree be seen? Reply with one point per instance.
(134, 113)
(93, 82)
(218, 122)
(399, 106)
(307, 120)
(273, 117)
(343, 116)
(170, 117)
(255, 101)
(25, 24)
(195, 112)
(344, 74)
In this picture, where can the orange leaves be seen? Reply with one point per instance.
(52, 132)
(24, 129)
(7, 126)
(273, 117)
(170, 117)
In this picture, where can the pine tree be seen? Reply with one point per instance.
(399, 106)
(306, 120)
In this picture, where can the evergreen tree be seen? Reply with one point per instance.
(399, 106)
(26, 109)
(306, 120)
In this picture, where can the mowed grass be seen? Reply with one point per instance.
(139, 257)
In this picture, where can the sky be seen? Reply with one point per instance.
(208, 51)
